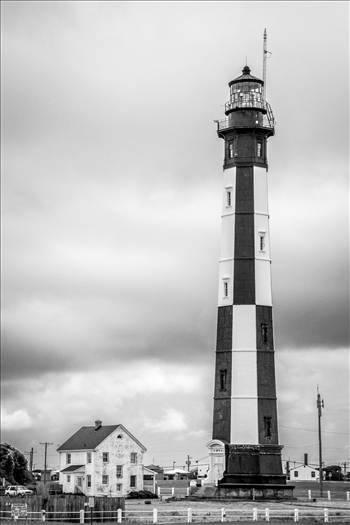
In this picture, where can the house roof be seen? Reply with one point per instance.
(145, 469)
(71, 468)
(304, 466)
(88, 438)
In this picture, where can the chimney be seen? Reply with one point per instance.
(305, 459)
(98, 424)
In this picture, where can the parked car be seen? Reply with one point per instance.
(18, 490)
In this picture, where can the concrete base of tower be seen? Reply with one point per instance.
(253, 464)
(245, 491)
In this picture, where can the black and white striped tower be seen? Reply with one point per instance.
(245, 415)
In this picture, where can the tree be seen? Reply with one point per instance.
(13, 465)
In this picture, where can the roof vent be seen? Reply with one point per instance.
(98, 424)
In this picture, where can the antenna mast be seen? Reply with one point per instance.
(264, 64)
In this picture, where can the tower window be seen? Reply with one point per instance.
(230, 149)
(259, 149)
(228, 198)
(225, 287)
(264, 332)
(267, 426)
(262, 244)
(223, 378)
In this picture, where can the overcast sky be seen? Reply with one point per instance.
(111, 197)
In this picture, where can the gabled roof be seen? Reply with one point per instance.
(88, 438)
(72, 468)
(304, 466)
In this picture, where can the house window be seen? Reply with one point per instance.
(119, 487)
(228, 199)
(88, 457)
(259, 149)
(313, 474)
(88, 481)
(68, 478)
(267, 426)
(132, 481)
(262, 244)
(119, 471)
(223, 378)
(105, 457)
(104, 479)
(79, 482)
(133, 457)
(69, 458)
(225, 283)
(296, 473)
(264, 333)
(230, 149)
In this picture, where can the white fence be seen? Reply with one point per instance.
(186, 515)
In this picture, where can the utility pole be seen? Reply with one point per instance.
(46, 443)
(320, 405)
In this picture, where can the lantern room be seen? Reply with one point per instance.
(246, 92)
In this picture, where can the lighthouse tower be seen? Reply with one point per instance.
(244, 452)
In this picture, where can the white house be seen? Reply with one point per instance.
(303, 473)
(101, 461)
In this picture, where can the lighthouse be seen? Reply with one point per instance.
(244, 453)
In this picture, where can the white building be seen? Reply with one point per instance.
(101, 461)
(304, 473)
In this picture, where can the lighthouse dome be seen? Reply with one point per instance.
(246, 77)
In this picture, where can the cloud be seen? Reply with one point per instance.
(17, 420)
(171, 421)
(112, 183)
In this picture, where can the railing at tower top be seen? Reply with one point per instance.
(266, 120)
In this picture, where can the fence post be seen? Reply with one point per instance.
(267, 514)
(172, 491)
(348, 496)
(189, 515)
(325, 512)
(155, 515)
(309, 494)
(255, 514)
(329, 494)
(296, 514)
(119, 515)
(81, 516)
(43, 515)
(222, 514)
(158, 489)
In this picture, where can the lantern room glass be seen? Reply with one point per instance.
(246, 95)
